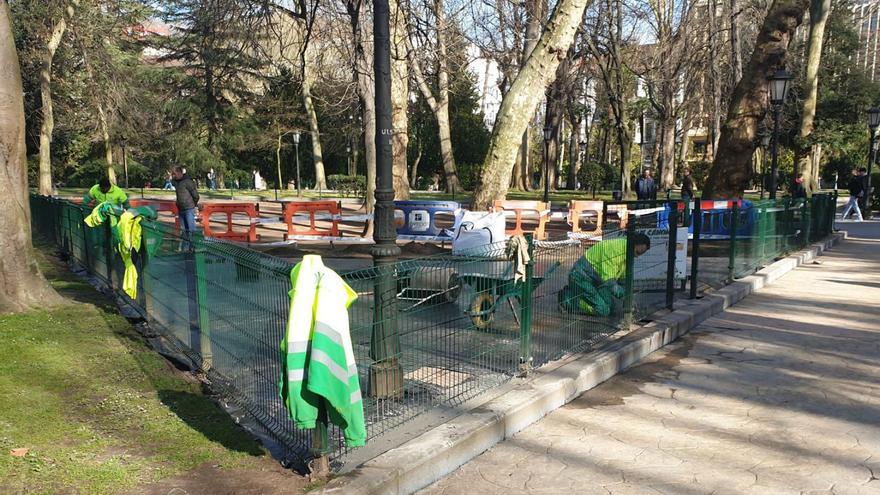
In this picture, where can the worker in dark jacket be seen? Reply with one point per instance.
(187, 202)
(687, 185)
(646, 189)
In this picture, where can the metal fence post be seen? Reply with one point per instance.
(108, 250)
(671, 250)
(525, 319)
(763, 222)
(734, 226)
(202, 301)
(695, 247)
(833, 215)
(805, 221)
(630, 276)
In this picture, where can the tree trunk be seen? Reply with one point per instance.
(667, 155)
(804, 150)
(399, 100)
(714, 82)
(735, 48)
(108, 148)
(574, 152)
(317, 154)
(413, 175)
(440, 104)
(520, 102)
(534, 17)
(47, 125)
(278, 161)
(22, 286)
(553, 117)
(731, 170)
(363, 67)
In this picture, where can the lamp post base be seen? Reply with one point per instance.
(386, 379)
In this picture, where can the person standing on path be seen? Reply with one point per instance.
(856, 191)
(798, 191)
(687, 185)
(187, 202)
(646, 189)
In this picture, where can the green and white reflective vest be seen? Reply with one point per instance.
(318, 362)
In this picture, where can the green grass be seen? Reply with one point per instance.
(98, 410)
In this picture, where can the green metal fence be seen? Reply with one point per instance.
(454, 327)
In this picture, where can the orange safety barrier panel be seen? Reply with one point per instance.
(531, 208)
(252, 210)
(159, 205)
(332, 208)
(576, 210)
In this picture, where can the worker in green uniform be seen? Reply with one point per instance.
(596, 278)
(105, 191)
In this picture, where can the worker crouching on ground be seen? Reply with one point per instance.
(596, 278)
(105, 191)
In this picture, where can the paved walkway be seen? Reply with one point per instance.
(780, 394)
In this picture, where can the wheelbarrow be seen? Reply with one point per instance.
(492, 291)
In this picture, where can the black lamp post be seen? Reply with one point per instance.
(873, 122)
(386, 373)
(779, 84)
(548, 133)
(299, 191)
(765, 144)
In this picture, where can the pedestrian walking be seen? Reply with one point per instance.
(646, 188)
(169, 184)
(687, 185)
(856, 192)
(212, 180)
(187, 202)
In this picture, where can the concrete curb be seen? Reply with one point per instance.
(438, 452)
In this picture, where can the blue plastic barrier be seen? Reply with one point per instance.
(418, 218)
(716, 220)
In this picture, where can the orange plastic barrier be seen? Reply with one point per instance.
(576, 209)
(252, 210)
(529, 208)
(159, 205)
(331, 208)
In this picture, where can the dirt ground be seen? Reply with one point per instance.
(265, 478)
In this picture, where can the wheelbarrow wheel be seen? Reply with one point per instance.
(482, 311)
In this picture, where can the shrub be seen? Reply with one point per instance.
(354, 185)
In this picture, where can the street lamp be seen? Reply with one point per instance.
(299, 191)
(548, 133)
(873, 122)
(765, 143)
(778, 86)
(348, 158)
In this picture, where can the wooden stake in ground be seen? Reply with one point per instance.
(22, 286)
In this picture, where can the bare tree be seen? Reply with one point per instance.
(23, 286)
(399, 99)
(807, 155)
(438, 103)
(732, 168)
(59, 27)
